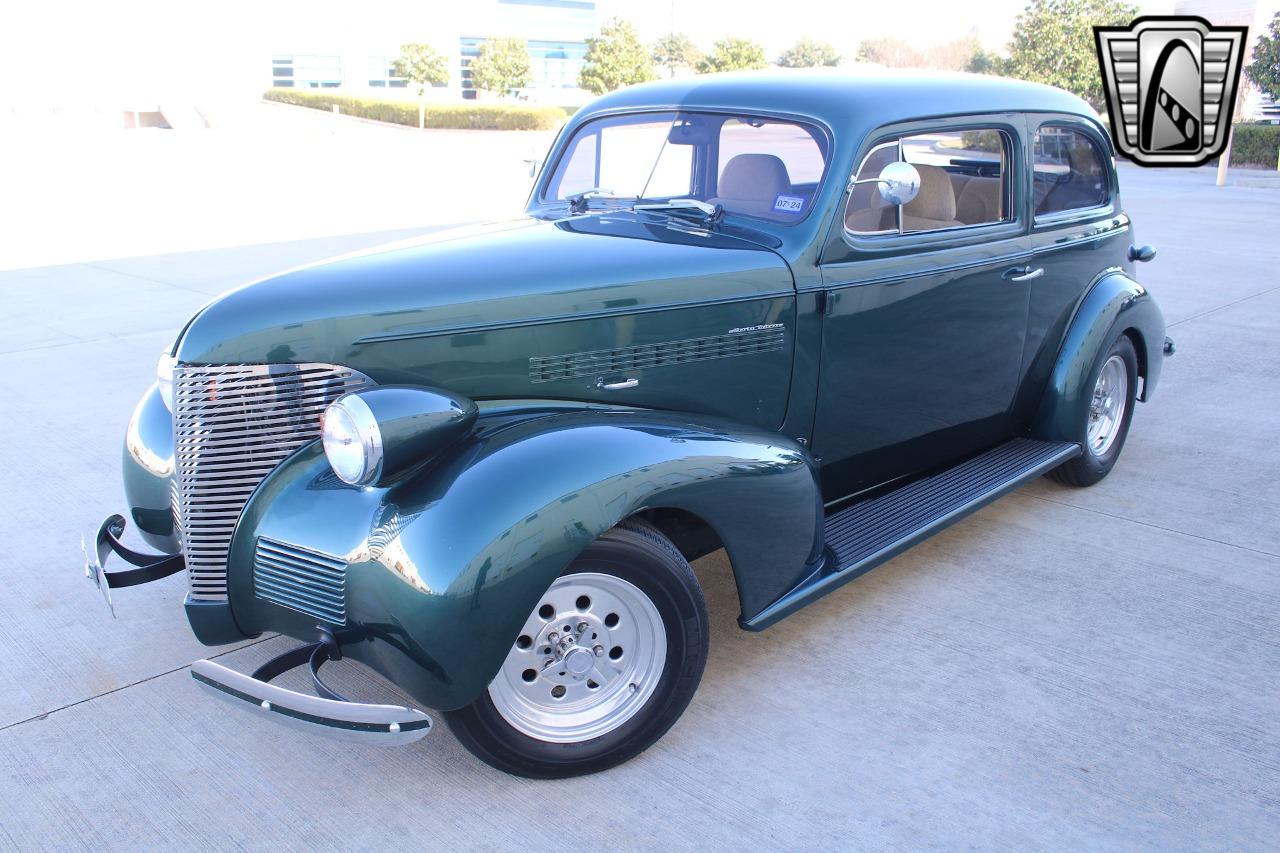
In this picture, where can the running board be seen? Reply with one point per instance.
(872, 531)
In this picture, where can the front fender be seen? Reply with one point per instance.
(443, 570)
(1115, 304)
(147, 468)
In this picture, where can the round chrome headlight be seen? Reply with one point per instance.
(164, 379)
(352, 440)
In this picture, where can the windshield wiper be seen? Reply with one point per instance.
(712, 212)
(578, 201)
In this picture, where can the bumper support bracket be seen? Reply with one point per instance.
(147, 567)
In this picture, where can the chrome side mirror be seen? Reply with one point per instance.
(533, 160)
(898, 183)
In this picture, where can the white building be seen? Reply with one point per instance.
(331, 51)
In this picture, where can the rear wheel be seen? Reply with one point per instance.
(1105, 425)
(604, 665)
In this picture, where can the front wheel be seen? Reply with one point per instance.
(604, 665)
(1105, 425)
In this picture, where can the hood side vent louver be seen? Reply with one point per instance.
(576, 365)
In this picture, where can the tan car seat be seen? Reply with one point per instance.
(978, 200)
(935, 206)
(751, 182)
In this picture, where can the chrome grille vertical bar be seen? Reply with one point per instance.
(233, 424)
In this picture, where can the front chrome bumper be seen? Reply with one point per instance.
(326, 714)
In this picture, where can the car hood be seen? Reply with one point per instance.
(479, 278)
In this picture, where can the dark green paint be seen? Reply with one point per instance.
(899, 355)
(212, 622)
(415, 424)
(484, 530)
(147, 468)
(1115, 305)
(467, 313)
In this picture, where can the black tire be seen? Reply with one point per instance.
(639, 554)
(1090, 467)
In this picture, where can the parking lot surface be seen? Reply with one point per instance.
(1064, 669)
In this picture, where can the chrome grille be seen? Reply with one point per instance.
(233, 424)
(301, 579)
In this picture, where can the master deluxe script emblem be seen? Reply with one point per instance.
(1170, 84)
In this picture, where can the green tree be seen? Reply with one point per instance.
(1264, 71)
(983, 61)
(615, 58)
(1053, 43)
(732, 54)
(809, 53)
(424, 68)
(675, 51)
(503, 65)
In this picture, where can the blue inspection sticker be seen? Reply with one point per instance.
(788, 203)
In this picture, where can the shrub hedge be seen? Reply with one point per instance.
(1256, 145)
(439, 116)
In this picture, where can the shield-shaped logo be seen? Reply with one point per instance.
(1170, 84)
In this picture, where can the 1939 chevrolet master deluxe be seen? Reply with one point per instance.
(810, 318)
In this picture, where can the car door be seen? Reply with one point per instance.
(924, 307)
(1077, 232)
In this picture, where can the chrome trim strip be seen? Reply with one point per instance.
(546, 321)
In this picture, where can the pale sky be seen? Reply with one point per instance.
(85, 49)
(777, 24)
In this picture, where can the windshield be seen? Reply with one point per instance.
(755, 166)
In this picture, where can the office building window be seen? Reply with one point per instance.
(470, 49)
(306, 72)
(580, 5)
(382, 74)
(555, 64)
(282, 72)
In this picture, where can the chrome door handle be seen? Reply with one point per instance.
(1023, 273)
(618, 385)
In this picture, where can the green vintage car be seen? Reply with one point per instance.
(810, 318)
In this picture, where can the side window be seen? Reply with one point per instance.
(866, 212)
(964, 181)
(1068, 171)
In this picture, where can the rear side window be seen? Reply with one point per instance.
(1068, 171)
(964, 182)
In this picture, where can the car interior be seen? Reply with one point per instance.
(749, 183)
(955, 191)
(1068, 173)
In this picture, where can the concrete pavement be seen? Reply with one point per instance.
(1065, 669)
(280, 173)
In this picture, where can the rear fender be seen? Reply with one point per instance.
(1115, 304)
(444, 569)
